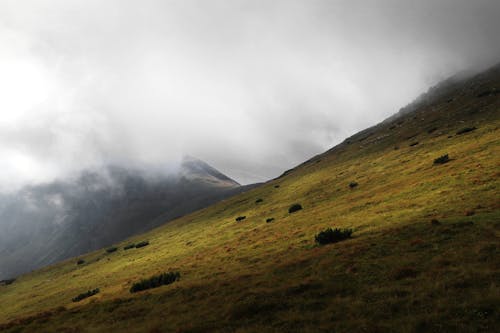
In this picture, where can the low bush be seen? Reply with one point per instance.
(240, 218)
(295, 207)
(332, 235)
(155, 281)
(7, 282)
(80, 262)
(442, 159)
(466, 130)
(129, 246)
(258, 200)
(142, 244)
(111, 249)
(271, 219)
(276, 186)
(353, 184)
(85, 295)
(414, 143)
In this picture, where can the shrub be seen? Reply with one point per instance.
(332, 235)
(271, 219)
(142, 244)
(466, 130)
(258, 200)
(353, 184)
(80, 262)
(85, 295)
(111, 249)
(295, 207)
(240, 218)
(276, 186)
(129, 246)
(442, 159)
(155, 281)
(7, 282)
(414, 143)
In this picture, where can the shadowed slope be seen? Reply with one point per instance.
(43, 224)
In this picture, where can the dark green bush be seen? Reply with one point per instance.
(442, 159)
(258, 200)
(7, 282)
(466, 130)
(353, 184)
(85, 295)
(111, 249)
(142, 244)
(332, 235)
(80, 262)
(155, 281)
(240, 218)
(295, 207)
(276, 186)
(271, 219)
(129, 246)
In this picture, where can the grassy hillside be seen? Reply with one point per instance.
(399, 272)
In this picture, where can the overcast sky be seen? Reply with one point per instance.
(251, 87)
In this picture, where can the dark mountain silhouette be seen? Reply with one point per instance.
(46, 223)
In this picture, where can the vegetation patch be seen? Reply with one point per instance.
(269, 220)
(80, 262)
(111, 249)
(7, 282)
(330, 235)
(491, 92)
(129, 246)
(240, 218)
(155, 281)
(295, 207)
(466, 130)
(141, 244)
(258, 200)
(353, 184)
(84, 295)
(414, 143)
(442, 159)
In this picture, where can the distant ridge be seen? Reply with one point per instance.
(42, 224)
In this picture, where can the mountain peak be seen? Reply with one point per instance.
(194, 169)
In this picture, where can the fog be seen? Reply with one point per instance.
(251, 87)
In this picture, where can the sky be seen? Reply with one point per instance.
(251, 87)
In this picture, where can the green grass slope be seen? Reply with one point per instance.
(399, 272)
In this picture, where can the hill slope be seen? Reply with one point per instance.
(399, 272)
(43, 224)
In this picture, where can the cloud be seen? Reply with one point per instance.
(251, 87)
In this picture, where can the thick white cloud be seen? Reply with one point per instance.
(252, 87)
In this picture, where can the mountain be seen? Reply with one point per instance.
(42, 224)
(419, 193)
